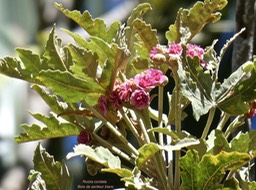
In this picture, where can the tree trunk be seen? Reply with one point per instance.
(245, 45)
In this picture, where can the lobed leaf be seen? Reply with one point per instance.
(85, 62)
(209, 172)
(27, 68)
(55, 174)
(165, 131)
(31, 64)
(244, 142)
(54, 55)
(100, 155)
(137, 14)
(36, 181)
(145, 153)
(183, 143)
(190, 22)
(94, 27)
(217, 142)
(147, 36)
(121, 172)
(71, 88)
(238, 89)
(196, 87)
(58, 106)
(52, 128)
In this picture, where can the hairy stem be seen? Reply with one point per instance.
(158, 160)
(224, 118)
(131, 127)
(113, 148)
(208, 123)
(114, 130)
(177, 126)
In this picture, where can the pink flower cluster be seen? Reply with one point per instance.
(133, 92)
(175, 49)
(195, 50)
(150, 79)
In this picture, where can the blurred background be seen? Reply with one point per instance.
(26, 23)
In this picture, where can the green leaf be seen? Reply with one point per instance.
(81, 41)
(190, 22)
(220, 142)
(27, 68)
(103, 49)
(31, 65)
(209, 172)
(85, 62)
(145, 153)
(231, 184)
(229, 42)
(67, 111)
(244, 142)
(165, 131)
(71, 88)
(54, 54)
(183, 143)
(36, 181)
(51, 100)
(121, 172)
(247, 185)
(100, 155)
(55, 174)
(52, 128)
(94, 27)
(146, 35)
(138, 12)
(9, 66)
(196, 86)
(238, 89)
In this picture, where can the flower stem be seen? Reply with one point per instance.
(114, 130)
(158, 160)
(233, 126)
(160, 113)
(177, 96)
(224, 119)
(112, 148)
(131, 127)
(208, 123)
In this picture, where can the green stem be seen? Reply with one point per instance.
(114, 130)
(208, 123)
(144, 130)
(177, 126)
(233, 126)
(158, 160)
(131, 127)
(224, 118)
(160, 113)
(112, 148)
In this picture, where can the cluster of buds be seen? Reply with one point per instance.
(162, 54)
(133, 92)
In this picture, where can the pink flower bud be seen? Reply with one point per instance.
(140, 99)
(195, 50)
(84, 137)
(175, 49)
(102, 102)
